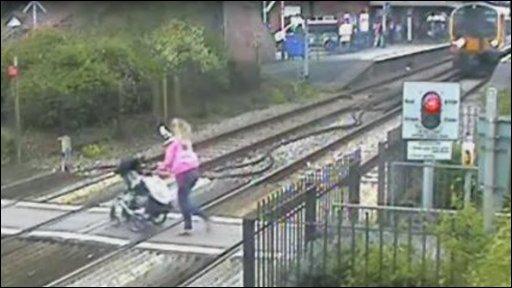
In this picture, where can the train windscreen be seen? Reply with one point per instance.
(475, 21)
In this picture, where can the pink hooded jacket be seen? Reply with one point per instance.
(179, 158)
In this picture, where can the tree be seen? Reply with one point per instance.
(68, 80)
(179, 45)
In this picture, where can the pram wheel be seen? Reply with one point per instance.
(138, 223)
(160, 219)
(113, 217)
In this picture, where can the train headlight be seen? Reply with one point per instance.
(494, 43)
(460, 43)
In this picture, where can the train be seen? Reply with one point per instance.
(480, 35)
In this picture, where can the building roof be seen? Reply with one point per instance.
(418, 3)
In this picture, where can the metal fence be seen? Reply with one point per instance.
(286, 244)
(454, 185)
(275, 235)
(317, 225)
(284, 229)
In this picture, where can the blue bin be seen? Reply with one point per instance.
(294, 45)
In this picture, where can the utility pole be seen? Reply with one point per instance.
(165, 99)
(385, 9)
(17, 113)
(306, 50)
(282, 29)
(409, 25)
(427, 197)
(491, 114)
(264, 10)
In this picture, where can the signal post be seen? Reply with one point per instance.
(430, 123)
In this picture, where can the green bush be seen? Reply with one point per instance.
(469, 257)
(342, 273)
(402, 271)
(493, 268)
(304, 91)
(65, 81)
(93, 151)
(463, 238)
(8, 146)
(504, 102)
(277, 96)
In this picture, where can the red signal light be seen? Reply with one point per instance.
(12, 71)
(432, 103)
(431, 106)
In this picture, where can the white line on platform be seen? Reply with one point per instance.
(177, 216)
(6, 202)
(10, 231)
(169, 247)
(100, 209)
(226, 220)
(79, 237)
(180, 248)
(47, 206)
(401, 54)
(506, 59)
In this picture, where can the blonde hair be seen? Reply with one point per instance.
(182, 130)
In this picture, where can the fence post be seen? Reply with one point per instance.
(249, 253)
(467, 188)
(381, 174)
(354, 183)
(310, 214)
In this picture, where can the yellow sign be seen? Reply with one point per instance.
(468, 153)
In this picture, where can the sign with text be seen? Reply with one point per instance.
(429, 150)
(431, 111)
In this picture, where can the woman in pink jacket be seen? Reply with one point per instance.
(181, 162)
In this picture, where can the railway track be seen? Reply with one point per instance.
(219, 149)
(290, 123)
(275, 175)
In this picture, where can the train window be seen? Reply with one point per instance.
(507, 25)
(476, 21)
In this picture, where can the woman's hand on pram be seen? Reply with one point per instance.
(148, 170)
(163, 174)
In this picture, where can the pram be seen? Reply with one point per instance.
(147, 198)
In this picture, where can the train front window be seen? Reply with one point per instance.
(476, 21)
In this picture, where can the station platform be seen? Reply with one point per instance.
(339, 70)
(501, 75)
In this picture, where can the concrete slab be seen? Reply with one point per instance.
(25, 217)
(79, 222)
(221, 235)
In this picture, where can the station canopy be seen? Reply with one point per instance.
(418, 3)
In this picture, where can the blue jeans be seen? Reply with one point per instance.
(365, 40)
(186, 182)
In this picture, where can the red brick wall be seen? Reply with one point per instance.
(244, 28)
(336, 7)
(317, 8)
